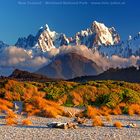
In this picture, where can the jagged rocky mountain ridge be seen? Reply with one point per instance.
(97, 35)
(3, 45)
(123, 49)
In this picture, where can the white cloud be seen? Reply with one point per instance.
(102, 61)
(13, 57)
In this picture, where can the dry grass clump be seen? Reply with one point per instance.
(6, 106)
(92, 111)
(62, 100)
(11, 121)
(40, 106)
(11, 118)
(134, 109)
(116, 111)
(118, 124)
(108, 118)
(94, 114)
(11, 114)
(105, 111)
(97, 121)
(77, 98)
(26, 122)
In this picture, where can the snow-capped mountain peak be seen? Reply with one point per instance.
(129, 37)
(104, 35)
(46, 39)
(3, 46)
(128, 48)
(47, 27)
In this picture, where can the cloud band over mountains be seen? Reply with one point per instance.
(13, 57)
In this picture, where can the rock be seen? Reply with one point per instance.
(131, 125)
(57, 125)
(80, 120)
(62, 125)
(72, 125)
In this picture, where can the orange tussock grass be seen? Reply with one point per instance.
(11, 121)
(105, 111)
(92, 112)
(11, 114)
(26, 122)
(62, 100)
(12, 96)
(77, 98)
(97, 121)
(3, 108)
(6, 103)
(108, 118)
(134, 109)
(31, 110)
(116, 111)
(11, 118)
(43, 107)
(122, 105)
(8, 96)
(118, 124)
(52, 110)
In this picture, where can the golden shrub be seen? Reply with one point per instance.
(134, 109)
(11, 121)
(92, 112)
(77, 99)
(11, 114)
(118, 124)
(108, 118)
(26, 122)
(97, 121)
(116, 111)
(105, 111)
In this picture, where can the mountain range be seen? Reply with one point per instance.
(97, 35)
(48, 44)
(131, 74)
(28, 76)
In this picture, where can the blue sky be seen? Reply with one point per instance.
(19, 18)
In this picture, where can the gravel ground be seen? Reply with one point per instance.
(40, 131)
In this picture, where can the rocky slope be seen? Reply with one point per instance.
(27, 76)
(69, 66)
(131, 74)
